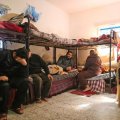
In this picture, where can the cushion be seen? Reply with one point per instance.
(55, 69)
(17, 19)
(7, 17)
(13, 18)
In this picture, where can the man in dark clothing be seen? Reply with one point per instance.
(41, 77)
(66, 62)
(12, 62)
(91, 69)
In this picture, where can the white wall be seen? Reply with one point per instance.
(52, 20)
(84, 24)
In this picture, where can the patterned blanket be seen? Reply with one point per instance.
(103, 76)
(65, 76)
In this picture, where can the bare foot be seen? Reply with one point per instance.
(87, 89)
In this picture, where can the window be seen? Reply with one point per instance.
(107, 28)
(1, 44)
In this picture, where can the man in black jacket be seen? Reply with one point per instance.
(41, 77)
(12, 66)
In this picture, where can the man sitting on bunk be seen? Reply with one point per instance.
(91, 69)
(66, 62)
(12, 62)
(42, 79)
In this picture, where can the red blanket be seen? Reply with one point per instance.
(86, 93)
(10, 26)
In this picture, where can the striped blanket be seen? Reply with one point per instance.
(61, 83)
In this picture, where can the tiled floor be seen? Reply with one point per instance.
(67, 106)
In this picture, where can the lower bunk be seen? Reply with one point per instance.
(59, 84)
(100, 82)
(62, 85)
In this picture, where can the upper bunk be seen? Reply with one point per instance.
(53, 40)
(28, 32)
(12, 32)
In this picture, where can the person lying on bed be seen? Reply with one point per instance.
(41, 79)
(66, 62)
(91, 69)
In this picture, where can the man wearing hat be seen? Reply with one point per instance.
(13, 74)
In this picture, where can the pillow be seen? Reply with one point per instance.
(7, 17)
(55, 69)
(17, 19)
(13, 18)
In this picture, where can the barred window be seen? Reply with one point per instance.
(1, 44)
(107, 28)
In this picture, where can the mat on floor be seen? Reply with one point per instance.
(114, 90)
(84, 93)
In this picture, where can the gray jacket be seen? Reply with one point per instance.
(65, 62)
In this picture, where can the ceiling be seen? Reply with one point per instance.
(72, 6)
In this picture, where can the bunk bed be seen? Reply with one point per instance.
(13, 33)
(33, 36)
(53, 40)
(59, 84)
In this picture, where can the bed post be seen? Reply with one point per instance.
(27, 38)
(54, 55)
(111, 34)
(27, 33)
(76, 57)
(118, 78)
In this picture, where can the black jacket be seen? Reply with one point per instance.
(36, 65)
(9, 67)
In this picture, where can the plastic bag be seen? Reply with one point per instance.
(31, 11)
(3, 9)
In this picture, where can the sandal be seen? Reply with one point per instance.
(3, 116)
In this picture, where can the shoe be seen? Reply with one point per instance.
(3, 116)
(45, 99)
(18, 110)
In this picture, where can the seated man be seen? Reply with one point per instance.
(4, 92)
(12, 63)
(40, 78)
(66, 62)
(91, 69)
